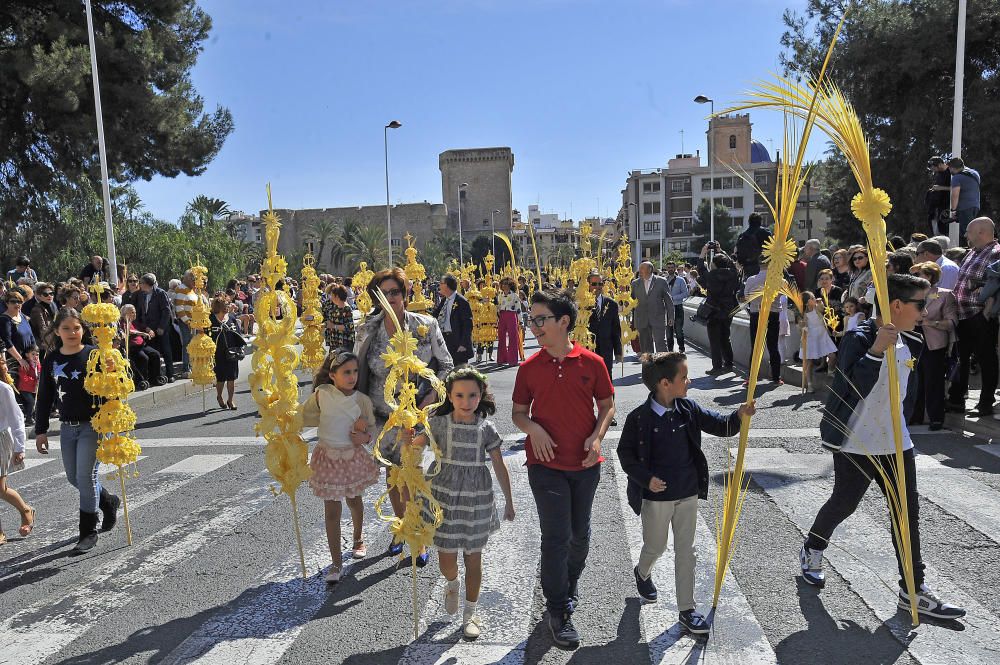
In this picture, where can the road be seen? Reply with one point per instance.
(212, 576)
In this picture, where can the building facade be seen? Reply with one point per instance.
(486, 172)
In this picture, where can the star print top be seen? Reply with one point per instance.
(63, 375)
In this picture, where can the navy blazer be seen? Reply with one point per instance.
(607, 328)
(633, 449)
(461, 328)
(157, 315)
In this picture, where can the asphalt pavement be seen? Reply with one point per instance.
(213, 574)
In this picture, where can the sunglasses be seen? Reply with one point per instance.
(859, 257)
(597, 283)
(921, 303)
(539, 321)
(392, 293)
(132, 281)
(45, 294)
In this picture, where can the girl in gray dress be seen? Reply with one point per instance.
(464, 487)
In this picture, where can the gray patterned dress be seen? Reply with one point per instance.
(464, 487)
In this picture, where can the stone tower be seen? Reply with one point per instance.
(487, 172)
(731, 140)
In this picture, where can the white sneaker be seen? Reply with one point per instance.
(333, 575)
(451, 598)
(811, 562)
(473, 628)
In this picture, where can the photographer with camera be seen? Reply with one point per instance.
(937, 198)
(722, 284)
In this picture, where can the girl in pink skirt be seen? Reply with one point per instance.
(342, 466)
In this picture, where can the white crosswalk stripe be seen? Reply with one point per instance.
(737, 636)
(862, 553)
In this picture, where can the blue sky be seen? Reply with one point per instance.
(582, 91)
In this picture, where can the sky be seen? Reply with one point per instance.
(582, 91)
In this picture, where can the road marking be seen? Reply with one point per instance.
(863, 547)
(58, 530)
(47, 626)
(32, 462)
(510, 559)
(992, 449)
(200, 464)
(755, 433)
(265, 624)
(737, 636)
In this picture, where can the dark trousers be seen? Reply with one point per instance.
(930, 386)
(678, 329)
(719, 344)
(979, 336)
(853, 475)
(770, 339)
(609, 360)
(564, 500)
(27, 404)
(162, 344)
(145, 362)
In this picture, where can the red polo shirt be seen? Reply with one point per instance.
(562, 397)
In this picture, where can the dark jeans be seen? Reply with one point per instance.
(27, 404)
(963, 216)
(719, 344)
(678, 329)
(853, 475)
(979, 336)
(564, 500)
(770, 340)
(930, 386)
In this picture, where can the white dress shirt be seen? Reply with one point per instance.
(949, 273)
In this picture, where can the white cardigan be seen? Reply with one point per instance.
(11, 416)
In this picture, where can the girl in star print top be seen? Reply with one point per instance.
(63, 372)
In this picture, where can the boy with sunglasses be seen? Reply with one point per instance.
(857, 427)
(555, 393)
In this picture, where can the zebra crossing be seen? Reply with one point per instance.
(280, 611)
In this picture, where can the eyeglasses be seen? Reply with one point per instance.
(920, 302)
(597, 284)
(392, 293)
(539, 321)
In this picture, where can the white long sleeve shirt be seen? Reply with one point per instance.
(11, 416)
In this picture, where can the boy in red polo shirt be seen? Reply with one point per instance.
(554, 397)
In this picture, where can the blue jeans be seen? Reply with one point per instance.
(79, 456)
(963, 217)
(186, 336)
(564, 500)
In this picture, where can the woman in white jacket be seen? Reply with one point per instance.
(12, 453)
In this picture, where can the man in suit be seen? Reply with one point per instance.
(604, 323)
(154, 315)
(454, 314)
(654, 311)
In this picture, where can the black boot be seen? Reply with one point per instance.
(109, 504)
(88, 533)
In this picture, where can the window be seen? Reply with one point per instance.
(678, 246)
(678, 186)
(650, 227)
(762, 180)
(736, 222)
(653, 186)
(732, 141)
(706, 184)
(759, 200)
(680, 205)
(486, 222)
(731, 202)
(651, 208)
(396, 242)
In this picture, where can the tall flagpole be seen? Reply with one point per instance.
(106, 186)
(956, 123)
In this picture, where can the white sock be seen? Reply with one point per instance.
(453, 585)
(470, 609)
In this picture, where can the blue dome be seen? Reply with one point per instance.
(758, 153)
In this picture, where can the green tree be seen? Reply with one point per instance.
(725, 234)
(563, 255)
(154, 119)
(208, 210)
(322, 231)
(367, 244)
(895, 62)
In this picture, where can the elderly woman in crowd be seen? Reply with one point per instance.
(373, 341)
(841, 269)
(939, 324)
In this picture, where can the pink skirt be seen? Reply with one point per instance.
(341, 473)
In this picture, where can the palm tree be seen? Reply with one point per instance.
(252, 254)
(366, 244)
(322, 231)
(132, 203)
(208, 210)
(564, 255)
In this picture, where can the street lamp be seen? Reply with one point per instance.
(493, 231)
(956, 123)
(702, 99)
(461, 259)
(638, 242)
(395, 124)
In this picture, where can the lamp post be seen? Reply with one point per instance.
(461, 258)
(493, 234)
(395, 124)
(109, 231)
(956, 123)
(702, 99)
(638, 242)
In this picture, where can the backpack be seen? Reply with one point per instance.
(749, 246)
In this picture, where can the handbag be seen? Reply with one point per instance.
(705, 311)
(233, 351)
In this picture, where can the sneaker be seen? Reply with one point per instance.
(812, 566)
(645, 587)
(563, 632)
(472, 628)
(694, 622)
(930, 605)
(395, 549)
(332, 576)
